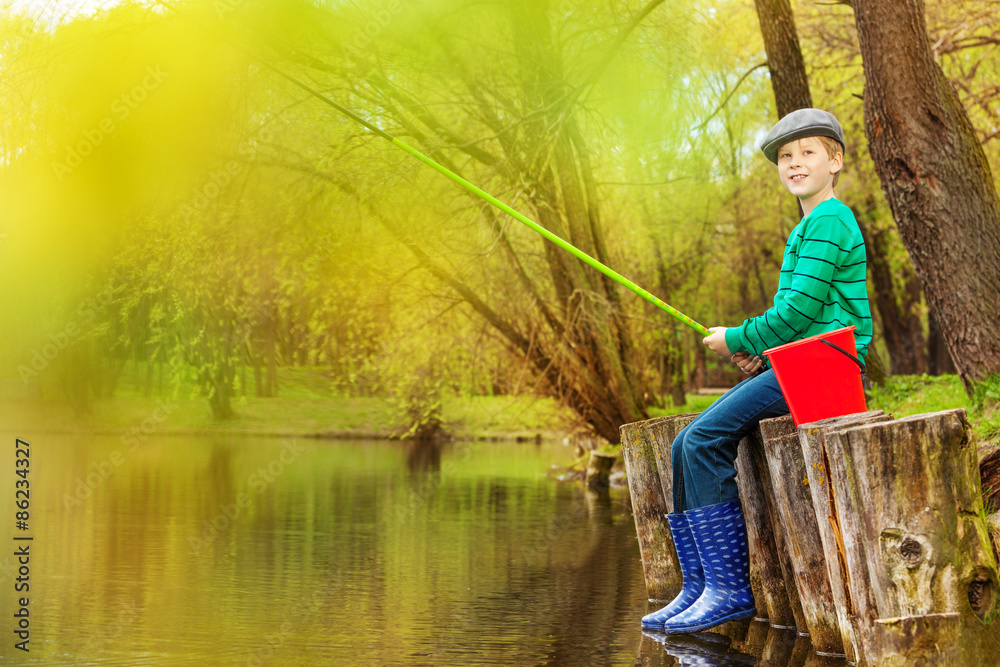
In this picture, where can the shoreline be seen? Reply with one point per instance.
(480, 419)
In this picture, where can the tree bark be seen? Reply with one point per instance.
(770, 592)
(800, 531)
(771, 429)
(855, 625)
(661, 432)
(938, 357)
(912, 511)
(936, 178)
(649, 509)
(784, 56)
(902, 330)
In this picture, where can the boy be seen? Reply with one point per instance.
(821, 288)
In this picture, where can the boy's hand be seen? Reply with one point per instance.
(716, 341)
(748, 364)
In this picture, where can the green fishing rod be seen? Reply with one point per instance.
(482, 194)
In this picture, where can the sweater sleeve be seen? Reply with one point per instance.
(800, 299)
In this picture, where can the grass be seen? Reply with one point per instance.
(307, 404)
(695, 403)
(465, 418)
(905, 395)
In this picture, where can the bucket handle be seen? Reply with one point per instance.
(845, 353)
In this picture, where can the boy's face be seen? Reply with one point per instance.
(806, 169)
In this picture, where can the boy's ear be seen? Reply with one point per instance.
(838, 162)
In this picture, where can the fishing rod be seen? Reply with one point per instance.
(565, 245)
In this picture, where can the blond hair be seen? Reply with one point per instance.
(832, 147)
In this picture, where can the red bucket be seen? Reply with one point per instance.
(819, 376)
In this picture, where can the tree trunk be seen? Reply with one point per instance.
(936, 178)
(662, 433)
(784, 57)
(271, 355)
(938, 357)
(901, 326)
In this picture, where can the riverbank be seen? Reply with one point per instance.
(466, 418)
(306, 414)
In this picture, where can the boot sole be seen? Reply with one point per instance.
(698, 627)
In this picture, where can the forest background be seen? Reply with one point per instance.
(182, 224)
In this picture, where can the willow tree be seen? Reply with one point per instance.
(514, 124)
(937, 180)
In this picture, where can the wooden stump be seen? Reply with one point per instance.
(920, 640)
(913, 505)
(778, 647)
(650, 509)
(800, 529)
(855, 616)
(769, 430)
(662, 432)
(756, 637)
(770, 572)
(599, 469)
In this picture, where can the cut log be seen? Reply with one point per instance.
(766, 577)
(661, 433)
(650, 509)
(753, 643)
(935, 639)
(778, 647)
(797, 520)
(760, 476)
(856, 628)
(599, 469)
(915, 484)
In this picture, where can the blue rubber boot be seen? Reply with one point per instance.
(693, 580)
(721, 537)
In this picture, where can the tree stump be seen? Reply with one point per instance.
(599, 469)
(855, 616)
(766, 577)
(913, 505)
(650, 509)
(797, 519)
(756, 637)
(770, 429)
(662, 433)
(917, 640)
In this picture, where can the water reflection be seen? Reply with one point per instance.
(302, 552)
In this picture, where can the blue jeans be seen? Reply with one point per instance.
(704, 453)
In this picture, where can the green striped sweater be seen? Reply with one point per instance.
(822, 285)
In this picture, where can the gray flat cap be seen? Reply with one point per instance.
(799, 124)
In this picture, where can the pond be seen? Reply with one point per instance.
(254, 551)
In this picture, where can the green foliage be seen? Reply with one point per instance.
(247, 234)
